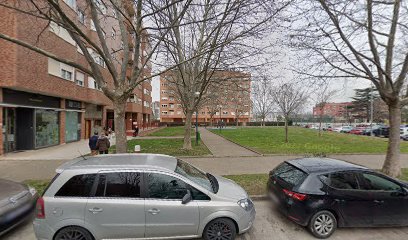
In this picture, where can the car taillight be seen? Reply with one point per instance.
(40, 211)
(295, 195)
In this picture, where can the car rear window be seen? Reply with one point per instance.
(289, 174)
(77, 186)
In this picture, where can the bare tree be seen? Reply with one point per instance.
(323, 96)
(289, 99)
(360, 41)
(115, 62)
(215, 34)
(263, 103)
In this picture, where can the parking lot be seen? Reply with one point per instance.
(269, 224)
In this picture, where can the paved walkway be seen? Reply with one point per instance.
(220, 147)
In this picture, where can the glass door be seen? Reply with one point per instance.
(9, 129)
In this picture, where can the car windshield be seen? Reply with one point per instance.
(194, 175)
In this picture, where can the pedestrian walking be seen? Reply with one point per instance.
(93, 140)
(103, 144)
(136, 129)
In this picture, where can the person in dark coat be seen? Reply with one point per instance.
(92, 143)
(103, 144)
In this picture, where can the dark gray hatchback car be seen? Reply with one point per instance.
(17, 203)
(324, 194)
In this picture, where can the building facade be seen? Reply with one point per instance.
(44, 102)
(332, 110)
(227, 100)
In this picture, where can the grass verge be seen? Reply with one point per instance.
(254, 184)
(270, 140)
(171, 147)
(170, 132)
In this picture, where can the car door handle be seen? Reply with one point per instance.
(154, 211)
(379, 201)
(95, 210)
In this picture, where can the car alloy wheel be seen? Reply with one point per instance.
(323, 224)
(73, 233)
(220, 229)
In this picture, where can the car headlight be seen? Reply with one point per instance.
(246, 204)
(32, 191)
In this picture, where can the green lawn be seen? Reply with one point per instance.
(170, 132)
(171, 147)
(271, 140)
(254, 184)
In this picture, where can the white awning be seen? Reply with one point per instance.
(36, 107)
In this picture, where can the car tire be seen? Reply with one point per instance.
(73, 232)
(220, 228)
(323, 224)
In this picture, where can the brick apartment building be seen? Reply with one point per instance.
(228, 100)
(333, 110)
(44, 102)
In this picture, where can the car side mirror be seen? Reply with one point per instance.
(187, 198)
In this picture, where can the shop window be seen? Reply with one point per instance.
(72, 126)
(46, 128)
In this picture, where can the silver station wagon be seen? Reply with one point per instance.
(140, 196)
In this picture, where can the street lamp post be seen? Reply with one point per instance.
(371, 104)
(197, 94)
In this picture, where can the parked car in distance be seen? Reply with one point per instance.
(346, 129)
(133, 196)
(324, 194)
(403, 132)
(17, 204)
(358, 130)
(383, 131)
(405, 138)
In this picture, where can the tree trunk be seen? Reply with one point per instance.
(120, 127)
(286, 131)
(392, 164)
(187, 131)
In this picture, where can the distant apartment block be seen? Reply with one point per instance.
(334, 110)
(44, 102)
(227, 100)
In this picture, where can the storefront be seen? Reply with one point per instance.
(30, 121)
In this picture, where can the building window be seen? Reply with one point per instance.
(93, 26)
(81, 16)
(101, 6)
(92, 84)
(62, 33)
(71, 3)
(66, 74)
(132, 98)
(79, 78)
(164, 105)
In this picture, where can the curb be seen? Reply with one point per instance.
(259, 197)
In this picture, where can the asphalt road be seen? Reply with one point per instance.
(270, 225)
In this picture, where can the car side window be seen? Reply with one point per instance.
(163, 186)
(374, 182)
(77, 186)
(341, 180)
(198, 195)
(119, 185)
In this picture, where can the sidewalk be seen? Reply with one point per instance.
(220, 147)
(60, 152)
